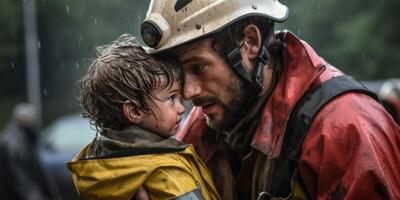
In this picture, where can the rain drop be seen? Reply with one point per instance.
(298, 31)
(12, 65)
(95, 21)
(77, 65)
(67, 7)
(45, 92)
(39, 45)
(80, 40)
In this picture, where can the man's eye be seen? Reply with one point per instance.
(196, 68)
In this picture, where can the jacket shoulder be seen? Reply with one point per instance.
(355, 111)
(349, 141)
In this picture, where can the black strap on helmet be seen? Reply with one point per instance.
(262, 60)
(233, 54)
(232, 51)
(235, 58)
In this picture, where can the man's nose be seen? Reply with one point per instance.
(191, 88)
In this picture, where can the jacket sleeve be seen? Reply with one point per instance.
(352, 151)
(172, 183)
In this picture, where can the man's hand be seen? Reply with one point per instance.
(141, 194)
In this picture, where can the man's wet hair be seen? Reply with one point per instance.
(123, 72)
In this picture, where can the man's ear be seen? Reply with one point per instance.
(132, 113)
(251, 41)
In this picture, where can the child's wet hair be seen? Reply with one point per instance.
(123, 71)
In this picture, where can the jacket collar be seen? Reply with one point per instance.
(301, 67)
(131, 141)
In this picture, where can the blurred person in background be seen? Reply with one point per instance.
(390, 96)
(22, 174)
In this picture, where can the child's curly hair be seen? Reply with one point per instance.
(123, 71)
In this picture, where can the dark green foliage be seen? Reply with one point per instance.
(69, 31)
(359, 37)
(12, 70)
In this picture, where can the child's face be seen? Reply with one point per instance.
(167, 112)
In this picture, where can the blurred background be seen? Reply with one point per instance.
(360, 37)
(47, 45)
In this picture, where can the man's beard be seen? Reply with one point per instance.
(240, 95)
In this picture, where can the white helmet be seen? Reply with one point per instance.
(172, 23)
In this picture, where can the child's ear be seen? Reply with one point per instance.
(131, 113)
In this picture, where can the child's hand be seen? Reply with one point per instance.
(141, 194)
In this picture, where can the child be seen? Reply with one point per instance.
(134, 101)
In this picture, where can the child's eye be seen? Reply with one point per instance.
(172, 98)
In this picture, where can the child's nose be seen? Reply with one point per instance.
(181, 108)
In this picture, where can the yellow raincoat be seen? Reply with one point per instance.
(164, 175)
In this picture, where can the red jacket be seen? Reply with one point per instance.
(351, 151)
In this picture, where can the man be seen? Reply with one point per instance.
(390, 96)
(250, 86)
(22, 174)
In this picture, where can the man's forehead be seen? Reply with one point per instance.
(193, 47)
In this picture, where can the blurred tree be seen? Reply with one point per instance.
(12, 70)
(359, 37)
(69, 32)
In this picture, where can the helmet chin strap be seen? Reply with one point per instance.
(262, 60)
(236, 60)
